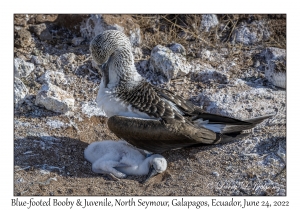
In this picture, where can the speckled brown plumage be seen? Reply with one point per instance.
(148, 99)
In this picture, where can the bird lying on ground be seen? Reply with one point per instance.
(119, 159)
(149, 117)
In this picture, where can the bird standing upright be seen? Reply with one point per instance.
(149, 117)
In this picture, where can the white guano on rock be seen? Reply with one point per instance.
(55, 99)
(91, 109)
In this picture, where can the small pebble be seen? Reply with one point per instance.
(215, 174)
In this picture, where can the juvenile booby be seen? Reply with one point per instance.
(119, 159)
(149, 117)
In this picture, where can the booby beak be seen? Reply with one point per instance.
(102, 68)
(105, 73)
(152, 172)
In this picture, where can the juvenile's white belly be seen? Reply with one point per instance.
(114, 106)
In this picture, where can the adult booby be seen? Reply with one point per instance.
(149, 117)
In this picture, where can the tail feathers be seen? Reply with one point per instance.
(230, 127)
(257, 120)
(238, 128)
(217, 119)
(233, 132)
(230, 137)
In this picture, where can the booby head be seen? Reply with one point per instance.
(158, 164)
(106, 43)
(113, 49)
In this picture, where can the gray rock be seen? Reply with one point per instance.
(274, 60)
(38, 29)
(135, 37)
(210, 76)
(213, 55)
(65, 59)
(281, 152)
(276, 73)
(204, 54)
(215, 173)
(177, 48)
(273, 53)
(41, 31)
(250, 34)
(45, 35)
(55, 99)
(23, 38)
(77, 40)
(137, 53)
(96, 24)
(20, 91)
(165, 61)
(37, 60)
(22, 68)
(53, 77)
(244, 100)
(208, 22)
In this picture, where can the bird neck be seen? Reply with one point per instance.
(144, 167)
(122, 68)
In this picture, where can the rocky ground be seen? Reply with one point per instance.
(228, 64)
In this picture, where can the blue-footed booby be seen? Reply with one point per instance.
(147, 116)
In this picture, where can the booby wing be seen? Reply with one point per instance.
(179, 123)
(146, 99)
(192, 112)
(164, 104)
(157, 136)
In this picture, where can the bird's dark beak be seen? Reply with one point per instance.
(105, 73)
(102, 68)
(152, 172)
